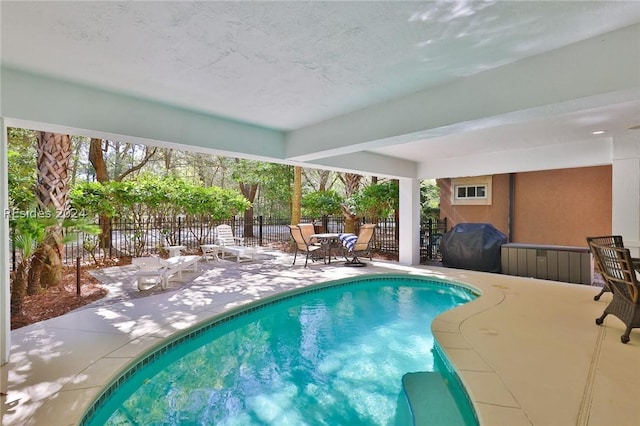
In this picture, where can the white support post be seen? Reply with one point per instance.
(5, 254)
(626, 189)
(409, 249)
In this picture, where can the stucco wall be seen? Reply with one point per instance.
(562, 207)
(496, 213)
(555, 207)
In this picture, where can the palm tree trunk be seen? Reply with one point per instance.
(54, 155)
(18, 287)
(52, 188)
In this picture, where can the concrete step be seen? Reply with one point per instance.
(430, 400)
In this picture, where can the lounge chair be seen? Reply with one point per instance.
(610, 241)
(622, 278)
(359, 246)
(303, 246)
(232, 245)
(155, 270)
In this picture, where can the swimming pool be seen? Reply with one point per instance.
(331, 354)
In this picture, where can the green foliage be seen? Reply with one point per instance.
(163, 199)
(93, 198)
(155, 196)
(29, 229)
(376, 200)
(22, 167)
(321, 203)
(429, 200)
(32, 237)
(274, 181)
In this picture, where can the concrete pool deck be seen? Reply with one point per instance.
(528, 351)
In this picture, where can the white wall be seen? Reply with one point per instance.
(626, 189)
(409, 244)
(5, 254)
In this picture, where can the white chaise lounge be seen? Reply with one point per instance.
(155, 270)
(229, 244)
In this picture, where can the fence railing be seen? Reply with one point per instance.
(141, 238)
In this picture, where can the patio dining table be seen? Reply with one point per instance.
(328, 241)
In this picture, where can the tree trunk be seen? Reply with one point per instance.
(96, 157)
(351, 183)
(248, 222)
(249, 191)
(51, 272)
(35, 271)
(349, 220)
(18, 287)
(52, 189)
(296, 197)
(54, 155)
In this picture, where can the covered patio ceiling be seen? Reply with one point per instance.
(402, 89)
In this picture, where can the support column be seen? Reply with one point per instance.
(626, 189)
(409, 244)
(5, 254)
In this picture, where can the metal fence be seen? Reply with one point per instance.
(141, 238)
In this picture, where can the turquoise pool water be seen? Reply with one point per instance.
(331, 356)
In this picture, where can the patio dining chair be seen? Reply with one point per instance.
(303, 246)
(622, 277)
(308, 229)
(610, 241)
(360, 246)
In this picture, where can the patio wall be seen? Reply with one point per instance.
(550, 207)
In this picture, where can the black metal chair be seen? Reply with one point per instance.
(622, 277)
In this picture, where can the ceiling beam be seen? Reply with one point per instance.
(561, 81)
(89, 111)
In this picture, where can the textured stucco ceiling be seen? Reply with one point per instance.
(287, 65)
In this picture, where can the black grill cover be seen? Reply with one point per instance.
(474, 246)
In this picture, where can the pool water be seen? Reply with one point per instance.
(335, 356)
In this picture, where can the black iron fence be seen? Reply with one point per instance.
(133, 239)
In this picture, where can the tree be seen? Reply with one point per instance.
(429, 200)
(30, 235)
(296, 196)
(321, 204)
(162, 199)
(97, 150)
(254, 176)
(377, 200)
(320, 180)
(351, 183)
(52, 188)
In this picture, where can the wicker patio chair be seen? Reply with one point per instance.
(303, 246)
(611, 241)
(607, 240)
(620, 274)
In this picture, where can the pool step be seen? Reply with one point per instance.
(430, 400)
